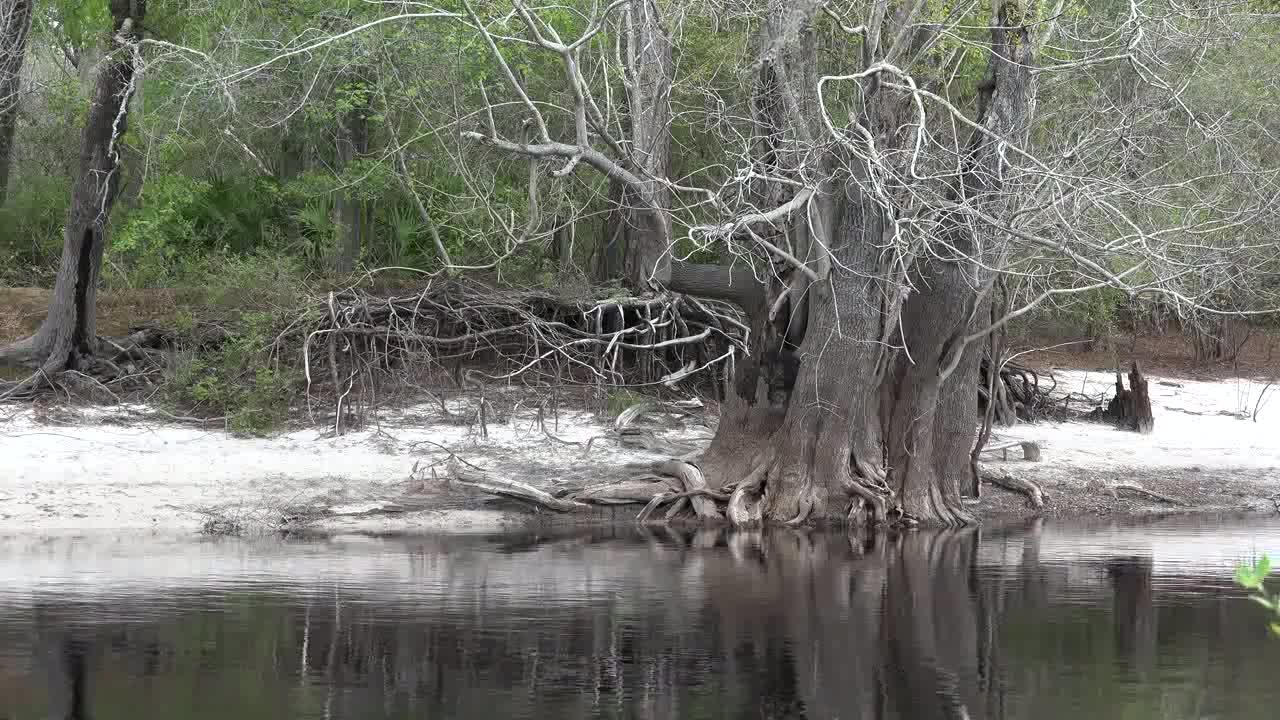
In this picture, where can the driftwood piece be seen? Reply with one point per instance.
(1139, 490)
(1033, 492)
(1130, 409)
(481, 480)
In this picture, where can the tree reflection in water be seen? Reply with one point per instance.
(772, 624)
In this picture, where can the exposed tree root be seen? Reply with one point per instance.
(116, 364)
(695, 487)
(1034, 494)
(533, 337)
(676, 483)
(1017, 396)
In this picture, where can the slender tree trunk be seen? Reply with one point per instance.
(636, 242)
(67, 337)
(292, 159)
(353, 143)
(15, 28)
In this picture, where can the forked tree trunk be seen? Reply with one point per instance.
(932, 419)
(15, 28)
(67, 337)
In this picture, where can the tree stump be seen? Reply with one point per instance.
(1130, 409)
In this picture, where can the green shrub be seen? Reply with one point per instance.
(1253, 578)
(31, 223)
(235, 379)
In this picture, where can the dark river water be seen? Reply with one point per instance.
(1047, 621)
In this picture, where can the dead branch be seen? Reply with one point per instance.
(1117, 488)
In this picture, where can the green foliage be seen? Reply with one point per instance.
(31, 229)
(620, 400)
(1253, 578)
(236, 380)
(81, 22)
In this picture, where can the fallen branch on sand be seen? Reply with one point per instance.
(1117, 488)
(504, 487)
(1034, 494)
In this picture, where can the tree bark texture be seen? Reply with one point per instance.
(68, 334)
(15, 29)
(635, 239)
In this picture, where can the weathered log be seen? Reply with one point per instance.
(1030, 450)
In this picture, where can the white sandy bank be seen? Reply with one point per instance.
(106, 468)
(113, 468)
(1197, 423)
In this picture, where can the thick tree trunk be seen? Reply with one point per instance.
(635, 240)
(353, 143)
(15, 28)
(931, 432)
(67, 337)
(755, 396)
(859, 409)
(828, 449)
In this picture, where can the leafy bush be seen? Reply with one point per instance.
(1253, 578)
(235, 379)
(31, 224)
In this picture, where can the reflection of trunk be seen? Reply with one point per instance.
(68, 334)
(73, 654)
(635, 242)
(929, 628)
(353, 143)
(1135, 611)
(15, 28)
